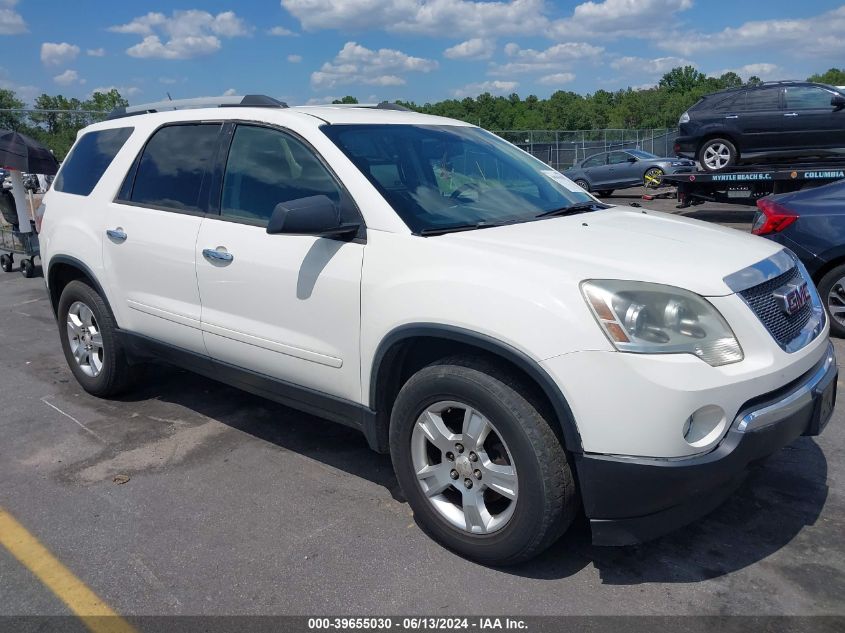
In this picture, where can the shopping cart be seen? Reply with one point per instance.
(17, 243)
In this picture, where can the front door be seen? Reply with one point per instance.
(150, 232)
(284, 306)
(814, 124)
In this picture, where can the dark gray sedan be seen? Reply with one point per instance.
(602, 173)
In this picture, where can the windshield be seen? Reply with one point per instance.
(641, 154)
(442, 176)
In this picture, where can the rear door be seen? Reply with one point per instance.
(759, 121)
(151, 231)
(813, 122)
(596, 170)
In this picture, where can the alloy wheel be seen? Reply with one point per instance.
(717, 156)
(85, 338)
(836, 301)
(464, 467)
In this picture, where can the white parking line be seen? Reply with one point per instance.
(68, 415)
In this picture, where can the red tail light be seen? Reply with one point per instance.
(772, 217)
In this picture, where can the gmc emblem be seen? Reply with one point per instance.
(792, 296)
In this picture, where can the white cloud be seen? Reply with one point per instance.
(495, 87)
(485, 19)
(183, 35)
(55, 54)
(556, 79)
(281, 31)
(230, 92)
(356, 64)
(649, 67)
(294, 59)
(556, 58)
(322, 100)
(428, 17)
(615, 18)
(817, 36)
(762, 70)
(68, 78)
(125, 91)
(96, 52)
(11, 22)
(26, 93)
(475, 48)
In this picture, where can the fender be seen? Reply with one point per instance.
(571, 437)
(75, 263)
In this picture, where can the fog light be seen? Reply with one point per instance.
(705, 425)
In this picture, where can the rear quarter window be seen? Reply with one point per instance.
(89, 159)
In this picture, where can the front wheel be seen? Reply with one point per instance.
(481, 467)
(653, 177)
(6, 263)
(717, 154)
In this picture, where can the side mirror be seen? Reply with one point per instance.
(838, 101)
(633, 159)
(314, 215)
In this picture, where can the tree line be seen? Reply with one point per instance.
(657, 107)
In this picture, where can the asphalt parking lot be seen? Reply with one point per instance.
(235, 505)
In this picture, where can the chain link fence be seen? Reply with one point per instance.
(563, 148)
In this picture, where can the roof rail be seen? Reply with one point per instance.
(252, 101)
(782, 81)
(383, 105)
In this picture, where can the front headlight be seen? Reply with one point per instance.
(651, 318)
(684, 118)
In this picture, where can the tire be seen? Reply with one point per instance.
(107, 372)
(653, 177)
(544, 500)
(27, 268)
(832, 293)
(583, 184)
(6, 263)
(717, 154)
(605, 193)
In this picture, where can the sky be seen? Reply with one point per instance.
(313, 51)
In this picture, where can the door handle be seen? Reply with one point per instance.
(216, 255)
(732, 116)
(118, 234)
(791, 114)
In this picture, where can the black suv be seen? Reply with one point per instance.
(771, 120)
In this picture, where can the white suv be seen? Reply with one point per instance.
(521, 350)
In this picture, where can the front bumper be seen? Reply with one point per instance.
(630, 500)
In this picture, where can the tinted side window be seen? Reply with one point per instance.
(807, 98)
(267, 167)
(89, 159)
(595, 161)
(617, 158)
(766, 99)
(171, 170)
(731, 103)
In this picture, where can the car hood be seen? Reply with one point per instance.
(627, 243)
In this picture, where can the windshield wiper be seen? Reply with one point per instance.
(574, 209)
(455, 228)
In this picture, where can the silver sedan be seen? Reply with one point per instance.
(602, 173)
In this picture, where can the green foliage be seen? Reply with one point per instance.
(834, 77)
(346, 99)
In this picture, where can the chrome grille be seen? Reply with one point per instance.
(783, 327)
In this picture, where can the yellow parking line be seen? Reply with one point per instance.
(90, 608)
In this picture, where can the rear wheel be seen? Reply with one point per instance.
(583, 184)
(717, 154)
(832, 291)
(481, 467)
(90, 343)
(605, 193)
(27, 268)
(6, 263)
